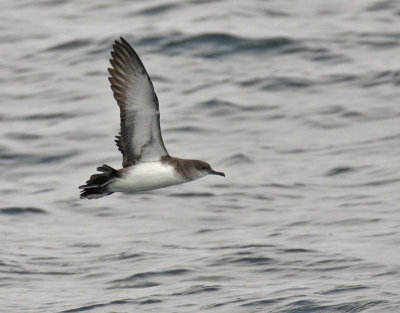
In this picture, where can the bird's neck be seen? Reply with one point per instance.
(183, 167)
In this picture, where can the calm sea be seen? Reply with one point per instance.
(298, 102)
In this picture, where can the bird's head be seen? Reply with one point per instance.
(200, 169)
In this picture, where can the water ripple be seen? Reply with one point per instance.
(18, 211)
(145, 275)
(223, 43)
(69, 45)
(303, 103)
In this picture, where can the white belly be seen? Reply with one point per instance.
(146, 176)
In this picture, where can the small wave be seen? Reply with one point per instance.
(223, 107)
(333, 264)
(382, 5)
(85, 245)
(158, 9)
(276, 13)
(69, 45)
(17, 211)
(23, 136)
(238, 158)
(282, 186)
(215, 103)
(136, 285)
(197, 290)
(378, 40)
(381, 78)
(350, 307)
(279, 83)
(142, 280)
(52, 3)
(95, 306)
(23, 272)
(339, 289)
(320, 55)
(381, 182)
(121, 256)
(35, 159)
(186, 129)
(246, 261)
(287, 82)
(49, 116)
(340, 78)
(145, 275)
(263, 303)
(339, 170)
(192, 194)
(339, 110)
(212, 278)
(373, 183)
(283, 83)
(296, 250)
(216, 44)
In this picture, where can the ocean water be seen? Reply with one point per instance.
(296, 101)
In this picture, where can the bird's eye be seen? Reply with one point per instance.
(204, 167)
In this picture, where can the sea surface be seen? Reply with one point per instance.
(298, 102)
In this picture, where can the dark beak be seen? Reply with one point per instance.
(217, 173)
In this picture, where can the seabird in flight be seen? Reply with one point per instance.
(145, 160)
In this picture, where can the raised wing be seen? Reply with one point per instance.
(140, 136)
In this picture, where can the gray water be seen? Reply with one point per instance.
(296, 101)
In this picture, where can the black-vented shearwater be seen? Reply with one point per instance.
(145, 160)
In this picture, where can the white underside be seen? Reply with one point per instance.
(146, 176)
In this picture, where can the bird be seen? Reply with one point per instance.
(146, 164)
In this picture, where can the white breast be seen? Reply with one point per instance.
(146, 176)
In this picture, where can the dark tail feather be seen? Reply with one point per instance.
(96, 186)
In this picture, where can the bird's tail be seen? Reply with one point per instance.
(96, 186)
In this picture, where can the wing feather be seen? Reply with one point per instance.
(140, 137)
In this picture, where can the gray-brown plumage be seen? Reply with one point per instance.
(145, 160)
(186, 167)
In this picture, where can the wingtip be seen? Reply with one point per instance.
(119, 41)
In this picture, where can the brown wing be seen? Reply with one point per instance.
(140, 136)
